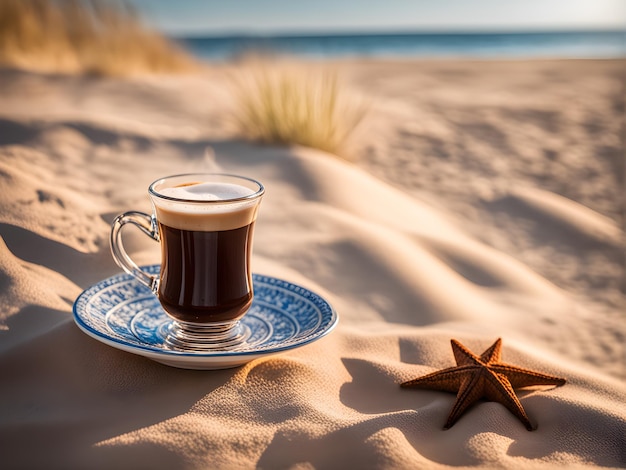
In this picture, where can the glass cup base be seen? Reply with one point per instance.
(214, 337)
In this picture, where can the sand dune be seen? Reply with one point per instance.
(411, 252)
(559, 216)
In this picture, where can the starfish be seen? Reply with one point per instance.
(484, 376)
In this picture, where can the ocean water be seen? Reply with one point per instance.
(588, 44)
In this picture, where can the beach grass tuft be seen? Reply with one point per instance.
(279, 104)
(84, 36)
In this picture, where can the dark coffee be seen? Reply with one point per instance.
(205, 275)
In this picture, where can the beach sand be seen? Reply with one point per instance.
(483, 200)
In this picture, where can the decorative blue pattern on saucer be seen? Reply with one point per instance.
(125, 314)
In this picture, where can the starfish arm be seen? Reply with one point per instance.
(463, 356)
(498, 388)
(492, 355)
(519, 377)
(448, 380)
(469, 393)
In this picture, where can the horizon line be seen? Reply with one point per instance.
(236, 33)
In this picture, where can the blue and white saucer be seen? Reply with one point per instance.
(122, 313)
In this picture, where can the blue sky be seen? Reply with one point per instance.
(281, 16)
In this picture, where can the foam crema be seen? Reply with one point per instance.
(205, 206)
(207, 191)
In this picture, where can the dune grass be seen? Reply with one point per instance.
(83, 36)
(296, 105)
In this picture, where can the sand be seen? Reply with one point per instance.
(485, 201)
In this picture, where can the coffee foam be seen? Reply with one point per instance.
(209, 213)
(207, 191)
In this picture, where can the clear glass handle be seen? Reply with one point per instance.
(148, 225)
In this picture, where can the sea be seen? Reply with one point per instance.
(518, 45)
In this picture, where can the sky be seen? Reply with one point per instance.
(215, 17)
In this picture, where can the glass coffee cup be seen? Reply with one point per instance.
(205, 226)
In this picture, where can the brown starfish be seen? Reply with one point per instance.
(476, 377)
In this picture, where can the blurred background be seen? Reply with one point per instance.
(65, 35)
(399, 28)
